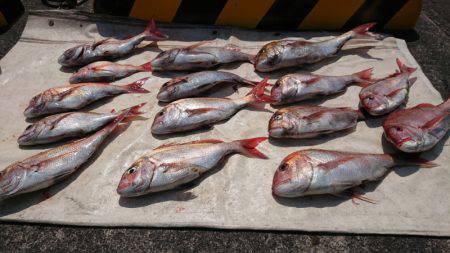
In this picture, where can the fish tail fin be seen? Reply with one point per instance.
(147, 66)
(364, 77)
(363, 30)
(258, 93)
(251, 58)
(403, 68)
(136, 87)
(113, 125)
(153, 33)
(420, 162)
(134, 110)
(248, 147)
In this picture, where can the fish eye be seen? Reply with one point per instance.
(278, 117)
(131, 170)
(160, 113)
(283, 167)
(398, 128)
(28, 127)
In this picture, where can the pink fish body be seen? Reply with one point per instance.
(419, 128)
(106, 71)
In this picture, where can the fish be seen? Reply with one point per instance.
(419, 128)
(289, 53)
(106, 71)
(108, 48)
(198, 56)
(69, 125)
(76, 96)
(302, 86)
(318, 171)
(194, 84)
(387, 94)
(169, 166)
(193, 113)
(299, 122)
(48, 167)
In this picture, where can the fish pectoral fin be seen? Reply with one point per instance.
(175, 167)
(165, 145)
(196, 45)
(193, 112)
(312, 80)
(328, 166)
(434, 122)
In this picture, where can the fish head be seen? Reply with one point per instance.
(165, 119)
(30, 134)
(267, 58)
(36, 106)
(164, 59)
(281, 124)
(167, 90)
(71, 55)
(375, 104)
(293, 177)
(11, 180)
(283, 89)
(405, 137)
(137, 178)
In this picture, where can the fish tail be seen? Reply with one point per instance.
(147, 66)
(251, 58)
(403, 68)
(248, 147)
(363, 30)
(153, 33)
(134, 110)
(364, 77)
(420, 162)
(258, 93)
(136, 87)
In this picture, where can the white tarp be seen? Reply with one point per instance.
(237, 194)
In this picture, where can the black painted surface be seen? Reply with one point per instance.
(286, 14)
(198, 11)
(431, 48)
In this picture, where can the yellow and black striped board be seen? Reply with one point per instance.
(271, 14)
(10, 10)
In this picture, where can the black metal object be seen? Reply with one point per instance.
(63, 4)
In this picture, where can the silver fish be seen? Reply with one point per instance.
(108, 48)
(317, 171)
(298, 87)
(310, 121)
(289, 53)
(172, 165)
(419, 128)
(71, 97)
(193, 113)
(106, 71)
(46, 168)
(198, 56)
(196, 83)
(389, 93)
(68, 125)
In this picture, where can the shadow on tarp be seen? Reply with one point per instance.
(24, 201)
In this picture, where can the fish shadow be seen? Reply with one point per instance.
(180, 193)
(316, 101)
(327, 200)
(286, 142)
(70, 70)
(24, 201)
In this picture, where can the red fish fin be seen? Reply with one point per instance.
(147, 66)
(421, 162)
(205, 141)
(193, 112)
(136, 87)
(365, 77)
(424, 105)
(364, 29)
(258, 92)
(248, 147)
(134, 110)
(434, 121)
(175, 80)
(445, 105)
(312, 80)
(165, 145)
(113, 110)
(403, 68)
(198, 44)
(152, 31)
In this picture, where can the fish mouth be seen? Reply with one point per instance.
(276, 132)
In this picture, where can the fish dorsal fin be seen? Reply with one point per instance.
(175, 80)
(315, 115)
(198, 111)
(205, 141)
(98, 43)
(196, 45)
(165, 145)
